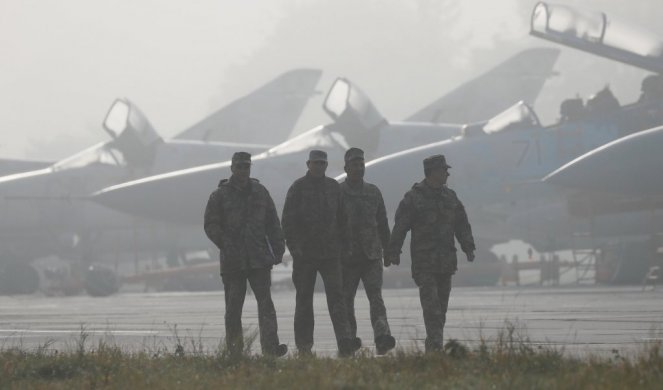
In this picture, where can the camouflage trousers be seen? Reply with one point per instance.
(234, 286)
(369, 272)
(434, 290)
(304, 274)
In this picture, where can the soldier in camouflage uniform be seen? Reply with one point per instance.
(370, 228)
(241, 220)
(316, 231)
(435, 215)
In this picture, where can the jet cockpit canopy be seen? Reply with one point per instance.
(592, 32)
(518, 116)
(132, 133)
(355, 117)
(345, 102)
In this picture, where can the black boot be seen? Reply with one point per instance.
(433, 347)
(384, 344)
(347, 347)
(277, 350)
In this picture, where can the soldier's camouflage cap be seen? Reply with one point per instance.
(354, 154)
(241, 157)
(436, 161)
(317, 155)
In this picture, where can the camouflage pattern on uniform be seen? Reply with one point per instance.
(304, 274)
(243, 224)
(314, 219)
(316, 231)
(245, 227)
(435, 216)
(367, 218)
(370, 228)
(370, 273)
(234, 286)
(434, 291)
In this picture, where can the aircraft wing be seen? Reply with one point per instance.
(11, 166)
(594, 33)
(628, 165)
(521, 77)
(265, 116)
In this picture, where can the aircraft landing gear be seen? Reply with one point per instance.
(18, 278)
(101, 281)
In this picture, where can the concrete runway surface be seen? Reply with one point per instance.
(580, 320)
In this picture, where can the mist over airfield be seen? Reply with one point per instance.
(64, 62)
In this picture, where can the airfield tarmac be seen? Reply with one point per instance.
(580, 320)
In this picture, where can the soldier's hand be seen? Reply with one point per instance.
(470, 256)
(394, 259)
(386, 260)
(278, 259)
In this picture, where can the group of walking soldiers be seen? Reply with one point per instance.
(341, 232)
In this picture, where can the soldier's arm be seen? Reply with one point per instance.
(213, 222)
(402, 224)
(463, 229)
(383, 222)
(273, 228)
(289, 219)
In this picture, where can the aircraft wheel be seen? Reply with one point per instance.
(18, 278)
(101, 281)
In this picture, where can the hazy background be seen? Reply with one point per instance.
(63, 62)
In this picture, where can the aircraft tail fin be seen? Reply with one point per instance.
(265, 116)
(521, 77)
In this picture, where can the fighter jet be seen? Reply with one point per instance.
(616, 192)
(93, 232)
(613, 193)
(356, 122)
(42, 213)
(177, 197)
(498, 166)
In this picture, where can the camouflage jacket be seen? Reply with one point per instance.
(368, 220)
(244, 225)
(314, 218)
(435, 216)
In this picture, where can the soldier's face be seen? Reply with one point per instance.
(317, 168)
(441, 174)
(242, 171)
(355, 169)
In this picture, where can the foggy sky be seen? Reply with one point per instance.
(65, 61)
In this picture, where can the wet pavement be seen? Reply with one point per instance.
(579, 320)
